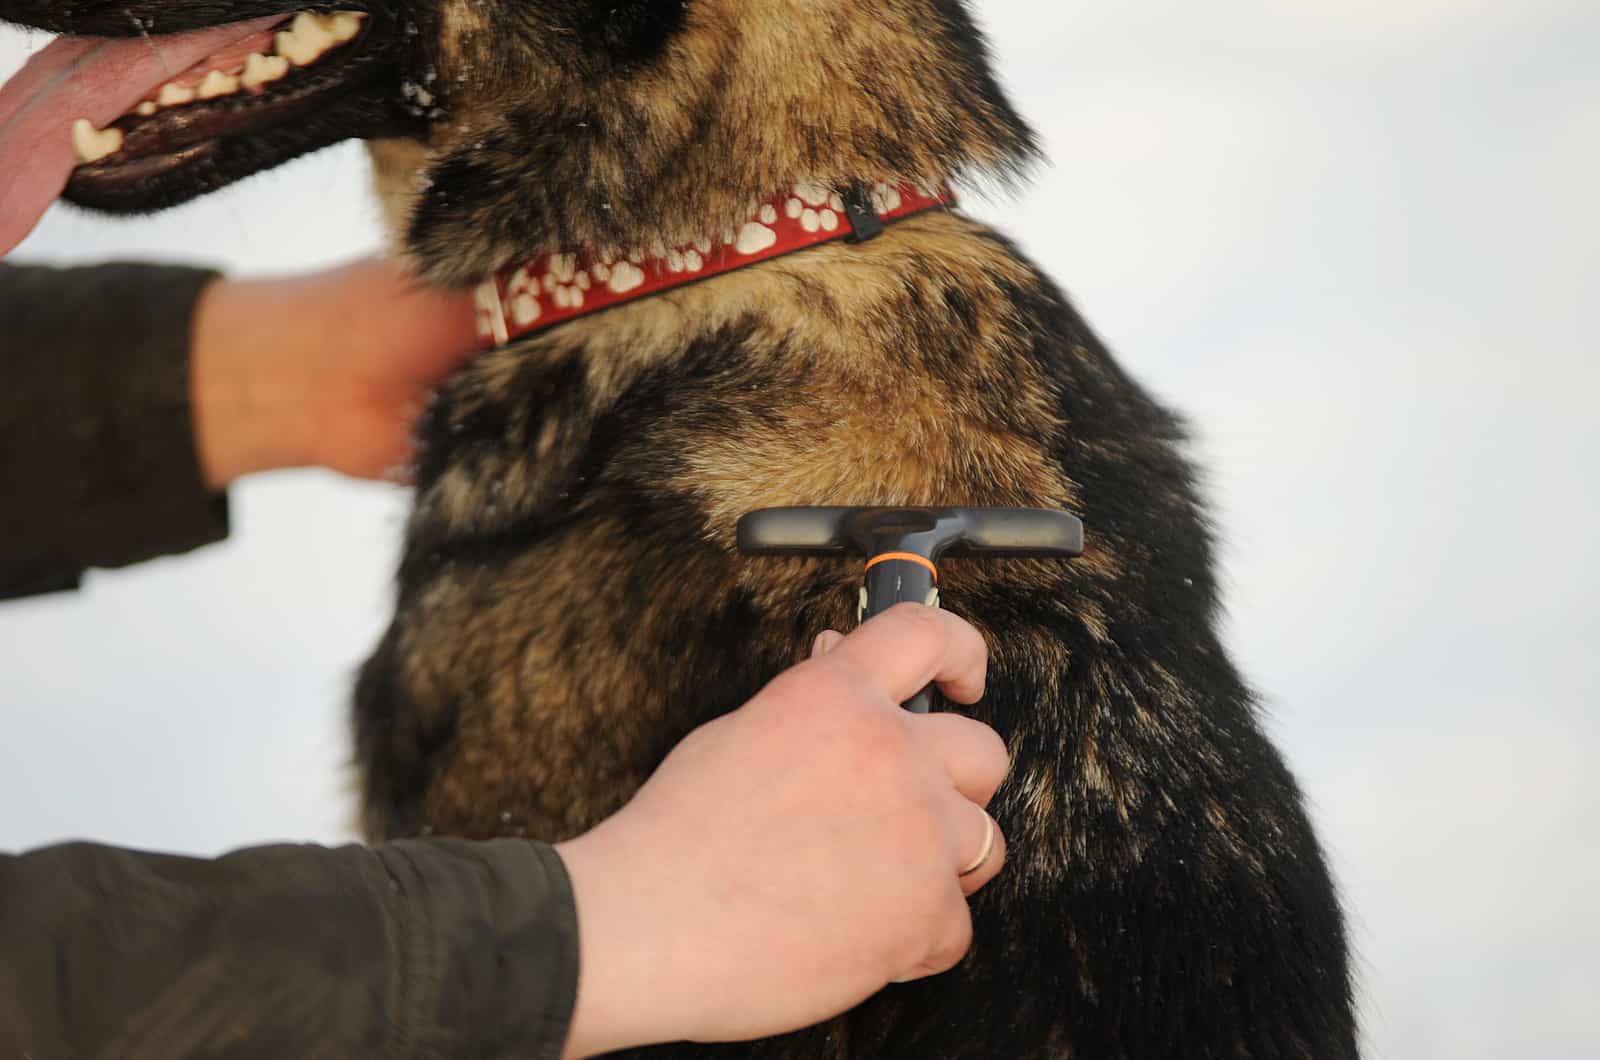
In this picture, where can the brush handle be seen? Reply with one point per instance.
(898, 581)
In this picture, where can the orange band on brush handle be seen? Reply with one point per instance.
(909, 557)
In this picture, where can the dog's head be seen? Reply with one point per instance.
(503, 128)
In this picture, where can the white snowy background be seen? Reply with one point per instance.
(1356, 242)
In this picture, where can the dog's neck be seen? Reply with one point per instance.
(520, 300)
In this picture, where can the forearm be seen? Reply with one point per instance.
(424, 948)
(99, 467)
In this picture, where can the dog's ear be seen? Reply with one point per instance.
(626, 33)
(129, 18)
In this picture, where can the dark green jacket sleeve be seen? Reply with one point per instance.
(427, 948)
(97, 455)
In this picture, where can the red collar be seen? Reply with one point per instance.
(556, 288)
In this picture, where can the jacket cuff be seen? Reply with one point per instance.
(108, 462)
(488, 947)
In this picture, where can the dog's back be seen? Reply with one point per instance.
(571, 603)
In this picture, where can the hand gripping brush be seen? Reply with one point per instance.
(904, 546)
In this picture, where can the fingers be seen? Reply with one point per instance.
(976, 761)
(973, 754)
(983, 848)
(909, 645)
(900, 650)
(984, 855)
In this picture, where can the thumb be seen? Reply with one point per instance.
(826, 641)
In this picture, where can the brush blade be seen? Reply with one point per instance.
(795, 530)
(1021, 532)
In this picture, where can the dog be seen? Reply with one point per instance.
(570, 600)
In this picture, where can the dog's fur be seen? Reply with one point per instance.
(571, 603)
(570, 600)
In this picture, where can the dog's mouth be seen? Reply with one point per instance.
(273, 85)
(143, 123)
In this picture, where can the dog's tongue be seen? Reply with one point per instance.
(83, 77)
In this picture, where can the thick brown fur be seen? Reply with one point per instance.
(570, 600)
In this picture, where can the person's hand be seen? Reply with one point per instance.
(326, 370)
(790, 859)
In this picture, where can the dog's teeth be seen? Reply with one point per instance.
(261, 69)
(310, 24)
(290, 49)
(217, 84)
(94, 144)
(309, 36)
(147, 108)
(345, 25)
(175, 95)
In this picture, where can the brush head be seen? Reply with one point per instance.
(931, 533)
